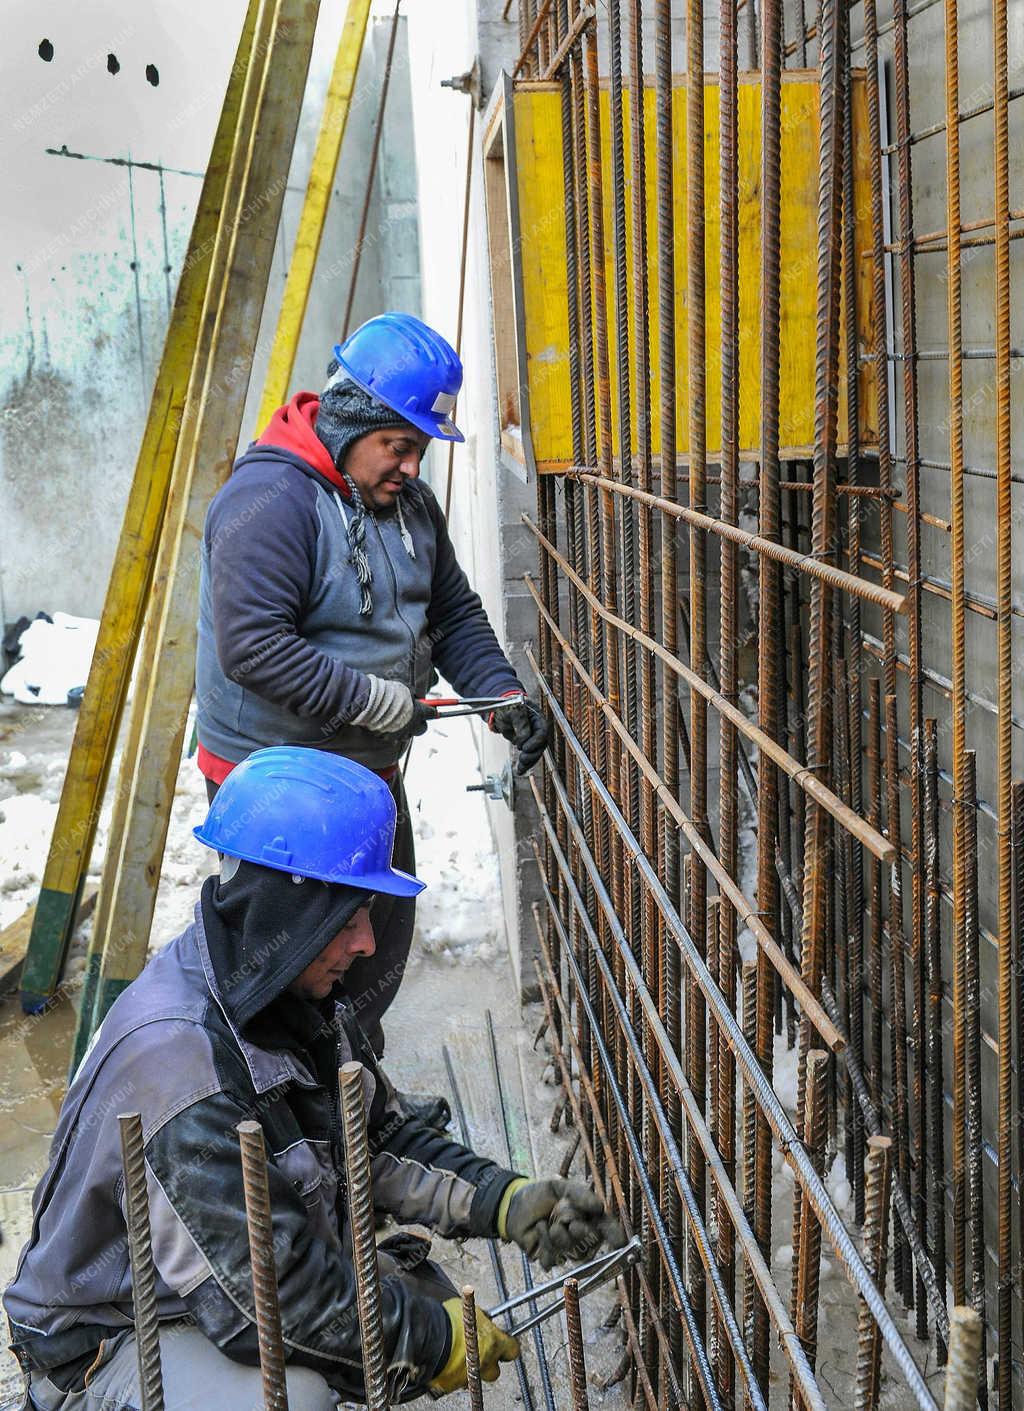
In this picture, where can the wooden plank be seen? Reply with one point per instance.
(314, 211)
(14, 940)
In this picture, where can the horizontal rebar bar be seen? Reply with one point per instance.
(869, 837)
(826, 572)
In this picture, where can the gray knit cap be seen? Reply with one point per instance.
(345, 414)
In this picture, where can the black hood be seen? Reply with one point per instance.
(263, 929)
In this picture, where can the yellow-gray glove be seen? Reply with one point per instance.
(494, 1347)
(555, 1221)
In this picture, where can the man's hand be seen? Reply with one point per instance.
(494, 1345)
(522, 724)
(421, 715)
(556, 1221)
(388, 709)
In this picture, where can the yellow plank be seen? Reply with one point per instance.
(314, 211)
(542, 246)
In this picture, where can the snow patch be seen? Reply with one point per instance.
(55, 659)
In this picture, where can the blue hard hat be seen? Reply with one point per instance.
(310, 813)
(408, 367)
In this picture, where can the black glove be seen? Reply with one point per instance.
(522, 724)
(554, 1221)
(420, 715)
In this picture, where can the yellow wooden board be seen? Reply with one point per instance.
(539, 182)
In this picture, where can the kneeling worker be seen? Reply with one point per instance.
(242, 1016)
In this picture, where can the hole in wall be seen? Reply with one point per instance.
(45, 50)
(113, 66)
(153, 74)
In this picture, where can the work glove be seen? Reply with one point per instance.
(421, 714)
(523, 725)
(494, 1346)
(555, 1221)
(388, 709)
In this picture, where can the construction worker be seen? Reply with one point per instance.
(244, 1016)
(330, 595)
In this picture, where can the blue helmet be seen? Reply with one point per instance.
(408, 367)
(310, 813)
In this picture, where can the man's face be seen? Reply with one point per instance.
(381, 462)
(323, 973)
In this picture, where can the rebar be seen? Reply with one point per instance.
(876, 1239)
(577, 1360)
(964, 1360)
(260, 1221)
(359, 1190)
(473, 1383)
(140, 1254)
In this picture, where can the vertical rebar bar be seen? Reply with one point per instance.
(876, 1231)
(965, 1330)
(474, 1386)
(1004, 691)
(140, 1253)
(260, 1220)
(769, 524)
(364, 1245)
(936, 1163)
(972, 1052)
(577, 1359)
(807, 1248)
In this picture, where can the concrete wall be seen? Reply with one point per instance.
(102, 175)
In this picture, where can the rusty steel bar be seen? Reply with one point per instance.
(574, 1347)
(800, 774)
(728, 826)
(260, 1221)
(140, 1255)
(1004, 720)
(962, 1373)
(768, 641)
(696, 381)
(753, 1073)
(972, 1049)
(364, 1244)
(936, 1152)
(876, 1227)
(1017, 824)
(807, 1238)
(584, 18)
(524, 56)
(474, 1386)
(825, 572)
(897, 993)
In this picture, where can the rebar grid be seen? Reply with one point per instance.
(886, 913)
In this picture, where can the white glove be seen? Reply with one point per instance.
(388, 709)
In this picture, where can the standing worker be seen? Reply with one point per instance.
(244, 1015)
(330, 596)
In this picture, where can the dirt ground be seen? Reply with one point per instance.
(459, 971)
